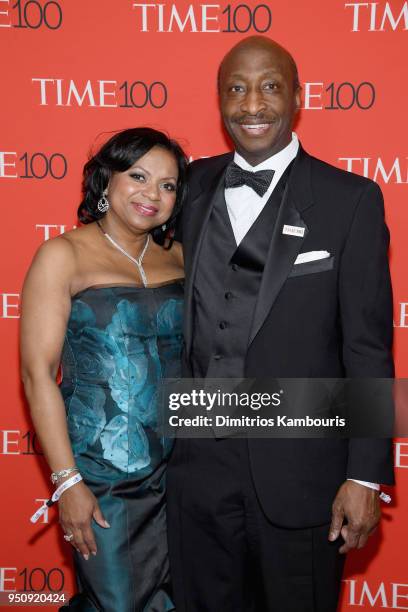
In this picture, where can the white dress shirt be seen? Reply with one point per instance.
(244, 204)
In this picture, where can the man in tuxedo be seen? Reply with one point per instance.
(286, 276)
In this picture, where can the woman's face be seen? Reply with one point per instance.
(143, 196)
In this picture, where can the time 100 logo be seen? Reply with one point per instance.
(196, 17)
(34, 15)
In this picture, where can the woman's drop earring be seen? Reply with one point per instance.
(103, 202)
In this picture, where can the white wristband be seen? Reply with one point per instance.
(385, 498)
(55, 496)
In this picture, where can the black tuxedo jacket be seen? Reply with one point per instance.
(322, 319)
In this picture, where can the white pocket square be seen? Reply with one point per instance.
(311, 256)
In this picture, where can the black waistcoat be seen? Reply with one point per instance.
(226, 287)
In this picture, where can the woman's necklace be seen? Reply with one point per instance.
(137, 261)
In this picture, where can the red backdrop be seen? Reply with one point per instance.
(73, 71)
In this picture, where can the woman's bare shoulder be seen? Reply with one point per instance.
(58, 256)
(55, 250)
(177, 252)
(84, 234)
(68, 245)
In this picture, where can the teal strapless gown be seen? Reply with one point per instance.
(120, 342)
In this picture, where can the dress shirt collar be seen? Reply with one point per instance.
(278, 162)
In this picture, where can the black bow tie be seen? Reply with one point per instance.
(258, 181)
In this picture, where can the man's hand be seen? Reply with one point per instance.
(359, 507)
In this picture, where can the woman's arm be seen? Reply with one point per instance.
(45, 310)
(46, 305)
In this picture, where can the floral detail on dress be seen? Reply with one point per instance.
(146, 406)
(116, 353)
(170, 327)
(131, 362)
(86, 417)
(93, 347)
(126, 448)
(170, 317)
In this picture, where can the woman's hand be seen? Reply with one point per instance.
(77, 507)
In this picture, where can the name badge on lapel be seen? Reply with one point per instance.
(293, 230)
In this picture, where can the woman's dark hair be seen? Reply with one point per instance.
(118, 154)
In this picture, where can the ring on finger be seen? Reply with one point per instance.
(68, 537)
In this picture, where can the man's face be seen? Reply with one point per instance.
(258, 100)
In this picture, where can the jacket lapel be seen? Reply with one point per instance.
(284, 248)
(200, 209)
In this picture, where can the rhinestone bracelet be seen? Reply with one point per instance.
(57, 476)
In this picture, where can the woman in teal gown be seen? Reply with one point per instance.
(113, 321)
